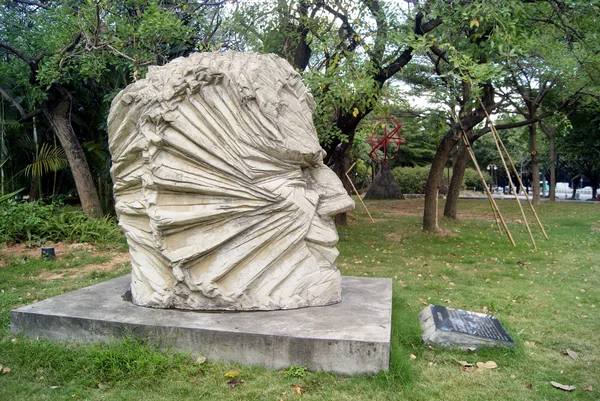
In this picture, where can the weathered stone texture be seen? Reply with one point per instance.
(221, 189)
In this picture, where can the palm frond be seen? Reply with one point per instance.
(6, 197)
(49, 159)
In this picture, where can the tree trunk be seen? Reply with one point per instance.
(384, 186)
(460, 162)
(434, 180)
(550, 132)
(57, 109)
(535, 166)
(551, 138)
(340, 163)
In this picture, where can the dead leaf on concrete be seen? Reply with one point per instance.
(588, 388)
(563, 386)
(235, 382)
(298, 389)
(487, 365)
(571, 353)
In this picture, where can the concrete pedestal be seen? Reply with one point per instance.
(348, 338)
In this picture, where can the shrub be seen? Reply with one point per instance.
(473, 180)
(36, 223)
(411, 179)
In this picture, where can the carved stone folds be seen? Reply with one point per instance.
(221, 189)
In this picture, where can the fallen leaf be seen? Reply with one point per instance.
(298, 389)
(563, 386)
(587, 388)
(530, 343)
(5, 370)
(200, 360)
(430, 364)
(465, 364)
(529, 386)
(513, 376)
(472, 349)
(235, 382)
(571, 353)
(413, 357)
(485, 309)
(232, 373)
(54, 387)
(487, 365)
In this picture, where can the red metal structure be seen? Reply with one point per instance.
(381, 141)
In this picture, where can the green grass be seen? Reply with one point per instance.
(547, 299)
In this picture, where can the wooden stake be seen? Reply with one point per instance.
(489, 194)
(512, 186)
(356, 192)
(514, 168)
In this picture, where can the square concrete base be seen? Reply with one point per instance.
(348, 338)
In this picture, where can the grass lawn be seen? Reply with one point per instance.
(549, 301)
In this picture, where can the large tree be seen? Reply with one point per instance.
(346, 50)
(67, 61)
(491, 44)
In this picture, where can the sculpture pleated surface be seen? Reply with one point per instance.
(221, 189)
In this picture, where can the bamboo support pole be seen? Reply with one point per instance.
(514, 190)
(514, 169)
(356, 192)
(487, 190)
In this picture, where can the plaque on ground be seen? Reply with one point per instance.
(447, 327)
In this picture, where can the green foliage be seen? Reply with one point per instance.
(472, 179)
(130, 359)
(296, 372)
(48, 158)
(411, 179)
(469, 267)
(7, 197)
(36, 223)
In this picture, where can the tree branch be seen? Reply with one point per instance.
(12, 101)
(33, 3)
(17, 53)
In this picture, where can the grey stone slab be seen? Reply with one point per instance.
(447, 327)
(347, 338)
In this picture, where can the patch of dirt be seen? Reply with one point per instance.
(80, 271)
(36, 252)
(410, 208)
(396, 237)
(60, 248)
(445, 233)
(595, 228)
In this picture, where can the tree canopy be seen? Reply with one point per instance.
(533, 62)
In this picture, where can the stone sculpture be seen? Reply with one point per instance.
(221, 189)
